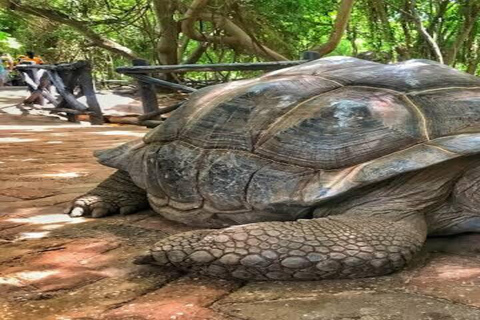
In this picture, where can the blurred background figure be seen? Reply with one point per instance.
(29, 58)
(6, 65)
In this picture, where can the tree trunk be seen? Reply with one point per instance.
(343, 15)
(167, 45)
(381, 9)
(436, 22)
(352, 37)
(471, 13)
(421, 28)
(404, 23)
(474, 61)
(184, 41)
(197, 53)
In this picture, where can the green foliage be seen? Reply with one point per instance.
(384, 28)
(298, 25)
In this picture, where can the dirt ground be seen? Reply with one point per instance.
(56, 267)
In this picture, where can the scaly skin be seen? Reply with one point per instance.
(117, 194)
(334, 247)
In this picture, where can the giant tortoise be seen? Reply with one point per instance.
(336, 168)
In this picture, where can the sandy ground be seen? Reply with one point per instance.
(55, 267)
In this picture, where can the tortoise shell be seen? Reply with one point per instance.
(299, 136)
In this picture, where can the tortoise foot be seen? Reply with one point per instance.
(117, 194)
(314, 249)
(97, 206)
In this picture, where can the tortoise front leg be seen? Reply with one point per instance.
(117, 194)
(333, 247)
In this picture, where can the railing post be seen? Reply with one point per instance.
(86, 83)
(147, 90)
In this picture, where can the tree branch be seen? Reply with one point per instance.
(236, 37)
(343, 15)
(80, 26)
(167, 44)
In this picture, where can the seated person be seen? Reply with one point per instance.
(30, 58)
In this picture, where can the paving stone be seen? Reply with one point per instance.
(456, 278)
(28, 193)
(12, 253)
(23, 224)
(66, 267)
(6, 225)
(131, 235)
(185, 299)
(48, 201)
(157, 222)
(8, 199)
(21, 214)
(92, 299)
(344, 304)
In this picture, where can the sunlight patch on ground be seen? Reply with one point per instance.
(11, 140)
(10, 281)
(35, 275)
(45, 127)
(17, 279)
(48, 219)
(60, 134)
(32, 235)
(119, 133)
(62, 175)
(47, 222)
(52, 226)
(13, 110)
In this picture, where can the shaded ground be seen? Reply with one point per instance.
(54, 267)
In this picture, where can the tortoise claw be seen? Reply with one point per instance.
(77, 212)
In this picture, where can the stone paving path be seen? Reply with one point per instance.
(55, 267)
(10, 96)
